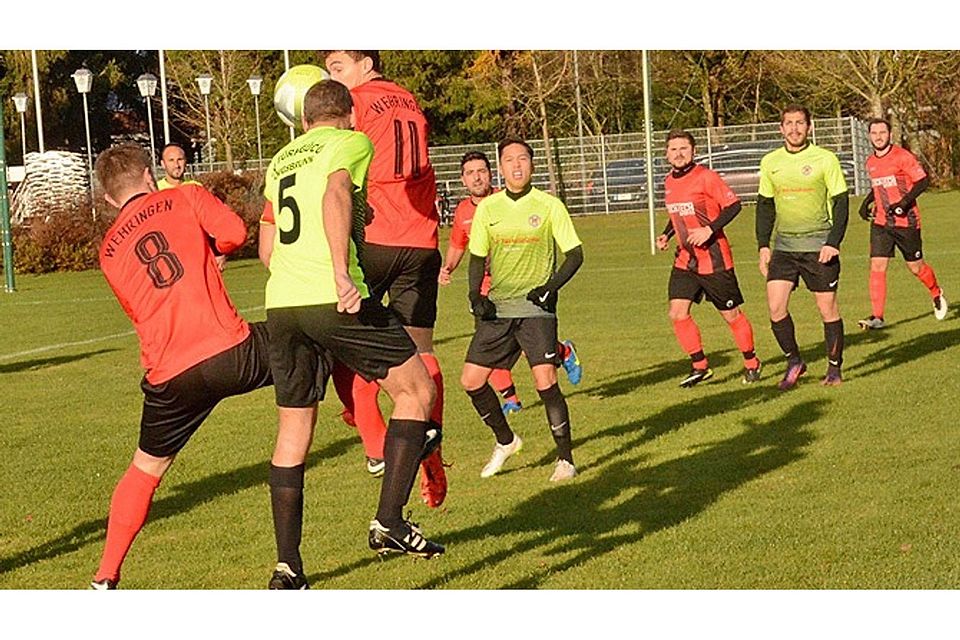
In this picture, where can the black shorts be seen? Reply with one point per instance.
(720, 288)
(370, 342)
(408, 276)
(884, 239)
(497, 344)
(791, 266)
(175, 409)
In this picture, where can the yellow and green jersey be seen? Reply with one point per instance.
(518, 238)
(163, 184)
(802, 185)
(301, 267)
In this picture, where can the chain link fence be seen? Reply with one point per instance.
(606, 174)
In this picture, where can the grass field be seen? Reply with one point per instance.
(723, 486)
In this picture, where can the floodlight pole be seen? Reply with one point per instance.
(20, 102)
(648, 131)
(255, 83)
(147, 84)
(204, 81)
(5, 214)
(36, 99)
(83, 78)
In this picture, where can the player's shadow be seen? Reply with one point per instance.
(625, 500)
(900, 353)
(663, 372)
(43, 363)
(183, 498)
(446, 339)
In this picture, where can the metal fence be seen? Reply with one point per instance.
(604, 174)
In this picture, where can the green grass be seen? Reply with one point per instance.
(720, 487)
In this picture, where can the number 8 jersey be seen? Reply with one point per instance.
(402, 184)
(156, 256)
(301, 268)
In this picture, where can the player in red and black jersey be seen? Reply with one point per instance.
(400, 257)
(897, 179)
(159, 257)
(700, 205)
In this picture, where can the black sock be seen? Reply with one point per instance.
(558, 417)
(485, 402)
(697, 358)
(785, 334)
(509, 392)
(286, 501)
(402, 449)
(833, 336)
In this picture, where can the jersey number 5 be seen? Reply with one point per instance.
(288, 202)
(398, 149)
(163, 266)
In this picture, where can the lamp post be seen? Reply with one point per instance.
(20, 101)
(83, 78)
(147, 83)
(255, 83)
(204, 81)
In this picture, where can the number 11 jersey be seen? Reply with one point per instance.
(402, 185)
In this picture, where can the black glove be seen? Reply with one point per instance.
(544, 297)
(897, 209)
(483, 308)
(866, 210)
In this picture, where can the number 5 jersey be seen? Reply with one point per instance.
(157, 258)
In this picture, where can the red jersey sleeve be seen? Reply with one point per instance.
(267, 216)
(910, 165)
(217, 219)
(718, 190)
(462, 219)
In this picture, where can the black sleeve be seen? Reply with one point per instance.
(766, 215)
(475, 272)
(668, 230)
(572, 260)
(911, 197)
(726, 216)
(841, 214)
(865, 206)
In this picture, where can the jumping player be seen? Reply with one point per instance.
(898, 179)
(700, 205)
(316, 299)
(400, 256)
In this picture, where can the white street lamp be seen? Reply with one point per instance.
(20, 101)
(83, 78)
(147, 84)
(205, 81)
(255, 83)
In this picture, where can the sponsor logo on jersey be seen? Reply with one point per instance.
(884, 181)
(682, 208)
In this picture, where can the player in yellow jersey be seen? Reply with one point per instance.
(514, 234)
(317, 301)
(803, 203)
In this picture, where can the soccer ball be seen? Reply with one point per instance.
(291, 88)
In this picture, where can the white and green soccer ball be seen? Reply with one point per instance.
(292, 87)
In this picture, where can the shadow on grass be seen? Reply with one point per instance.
(903, 352)
(625, 500)
(43, 363)
(673, 369)
(184, 497)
